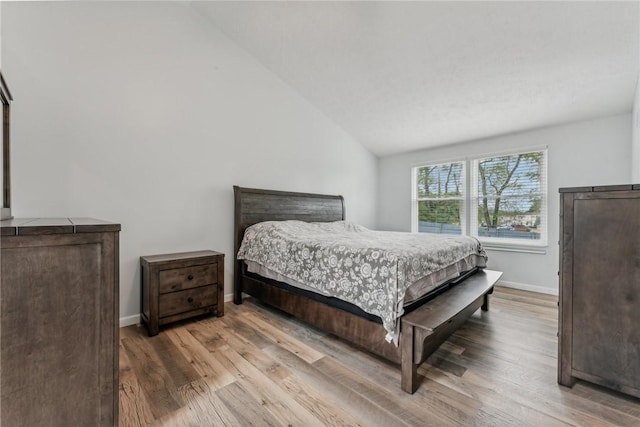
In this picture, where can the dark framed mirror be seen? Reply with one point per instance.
(5, 96)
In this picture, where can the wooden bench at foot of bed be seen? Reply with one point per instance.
(424, 329)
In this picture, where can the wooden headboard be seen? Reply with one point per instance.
(257, 205)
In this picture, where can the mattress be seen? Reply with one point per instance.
(379, 272)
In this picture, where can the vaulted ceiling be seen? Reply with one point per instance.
(401, 76)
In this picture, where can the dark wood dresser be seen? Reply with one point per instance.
(599, 317)
(59, 322)
(179, 286)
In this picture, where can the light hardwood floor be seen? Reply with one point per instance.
(257, 366)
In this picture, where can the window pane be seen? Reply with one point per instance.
(440, 216)
(510, 217)
(440, 180)
(517, 174)
(509, 200)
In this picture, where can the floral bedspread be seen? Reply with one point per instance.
(370, 269)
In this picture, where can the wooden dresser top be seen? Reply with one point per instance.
(40, 226)
(627, 187)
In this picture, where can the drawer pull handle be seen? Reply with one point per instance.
(190, 277)
(189, 300)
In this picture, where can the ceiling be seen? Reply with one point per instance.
(401, 76)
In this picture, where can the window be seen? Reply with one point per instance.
(502, 201)
(440, 196)
(509, 201)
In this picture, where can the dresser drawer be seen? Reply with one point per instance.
(178, 279)
(191, 299)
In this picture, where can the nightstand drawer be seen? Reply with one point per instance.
(179, 279)
(191, 299)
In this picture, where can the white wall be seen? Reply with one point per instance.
(144, 114)
(0, 35)
(580, 154)
(635, 140)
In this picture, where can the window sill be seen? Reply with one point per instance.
(511, 247)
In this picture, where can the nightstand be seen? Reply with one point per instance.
(179, 286)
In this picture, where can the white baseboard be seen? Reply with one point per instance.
(530, 288)
(135, 319)
(129, 320)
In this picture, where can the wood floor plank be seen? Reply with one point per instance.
(258, 366)
(601, 398)
(200, 358)
(284, 340)
(245, 409)
(328, 413)
(247, 331)
(452, 348)
(502, 406)
(365, 410)
(534, 299)
(178, 418)
(402, 405)
(174, 362)
(134, 408)
(367, 364)
(541, 393)
(205, 408)
(252, 354)
(539, 411)
(535, 389)
(157, 384)
(433, 393)
(271, 397)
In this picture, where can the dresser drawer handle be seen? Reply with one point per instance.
(190, 277)
(190, 300)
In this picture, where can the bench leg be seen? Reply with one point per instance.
(409, 379)
(485, 302)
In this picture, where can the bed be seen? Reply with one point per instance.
(419, 332)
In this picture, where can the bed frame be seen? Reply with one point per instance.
(422, 330)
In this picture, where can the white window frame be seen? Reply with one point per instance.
(533, 245)
(415, 200)
(470, 198)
